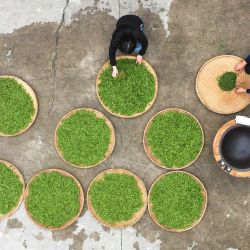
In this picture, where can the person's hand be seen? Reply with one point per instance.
(240, 66)
(240, 90)
(139, 59)
(114, 71)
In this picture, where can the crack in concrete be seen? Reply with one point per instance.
(55, 53)
(119, 9)
(121, 238)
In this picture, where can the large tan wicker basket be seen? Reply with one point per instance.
(137, 216)
(99, 115)
(148, 149)
(204, 193)
(150, 69)
(81, 198)
(208, 91)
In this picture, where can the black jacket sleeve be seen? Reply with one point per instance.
(112, 51)
(248, 91)
(114, 44)
(144, 41)
(248, 59)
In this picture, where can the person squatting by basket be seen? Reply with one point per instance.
(245, 65)
(129, 38)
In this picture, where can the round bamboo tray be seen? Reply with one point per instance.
(81, 199)
(137, 216)
(210, 94)
(148, 149)
(32, 94)
(217, 155)
(204, 193)
(98, 115)
(150, 69)
(16, 171)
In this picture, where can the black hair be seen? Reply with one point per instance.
(247, 69)
(124, 39)
(127, 47)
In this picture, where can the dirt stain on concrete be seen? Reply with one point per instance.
(39, 236)
(14, 223)
(78, 241)
(136, 246)
(95, 236)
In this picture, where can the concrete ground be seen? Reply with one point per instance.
(59, 46)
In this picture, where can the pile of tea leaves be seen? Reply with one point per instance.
(227, 81)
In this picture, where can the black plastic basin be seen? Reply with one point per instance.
(235, 147)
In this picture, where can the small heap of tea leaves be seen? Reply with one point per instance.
(227, 81)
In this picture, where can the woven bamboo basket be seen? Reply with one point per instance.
(99, 115)
(148, 149)
(81, 199)
(204, 193)
(150, 69)
(137, 216)
(210, 94)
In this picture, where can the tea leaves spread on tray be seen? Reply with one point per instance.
(83, 138)
(175, 138)
(177, 200)
(11, 189)
(116, 197)
(16, 107)
(131, 91)
(53, 199)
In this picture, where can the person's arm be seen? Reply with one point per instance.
(112, 51)
(240, 66)
(241, 90)
(248, 60)
(144, 41)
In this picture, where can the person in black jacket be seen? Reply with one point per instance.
(245, 65)
(129, 38)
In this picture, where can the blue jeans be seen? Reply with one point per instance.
(138, 46)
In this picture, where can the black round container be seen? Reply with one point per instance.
(234, 148)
